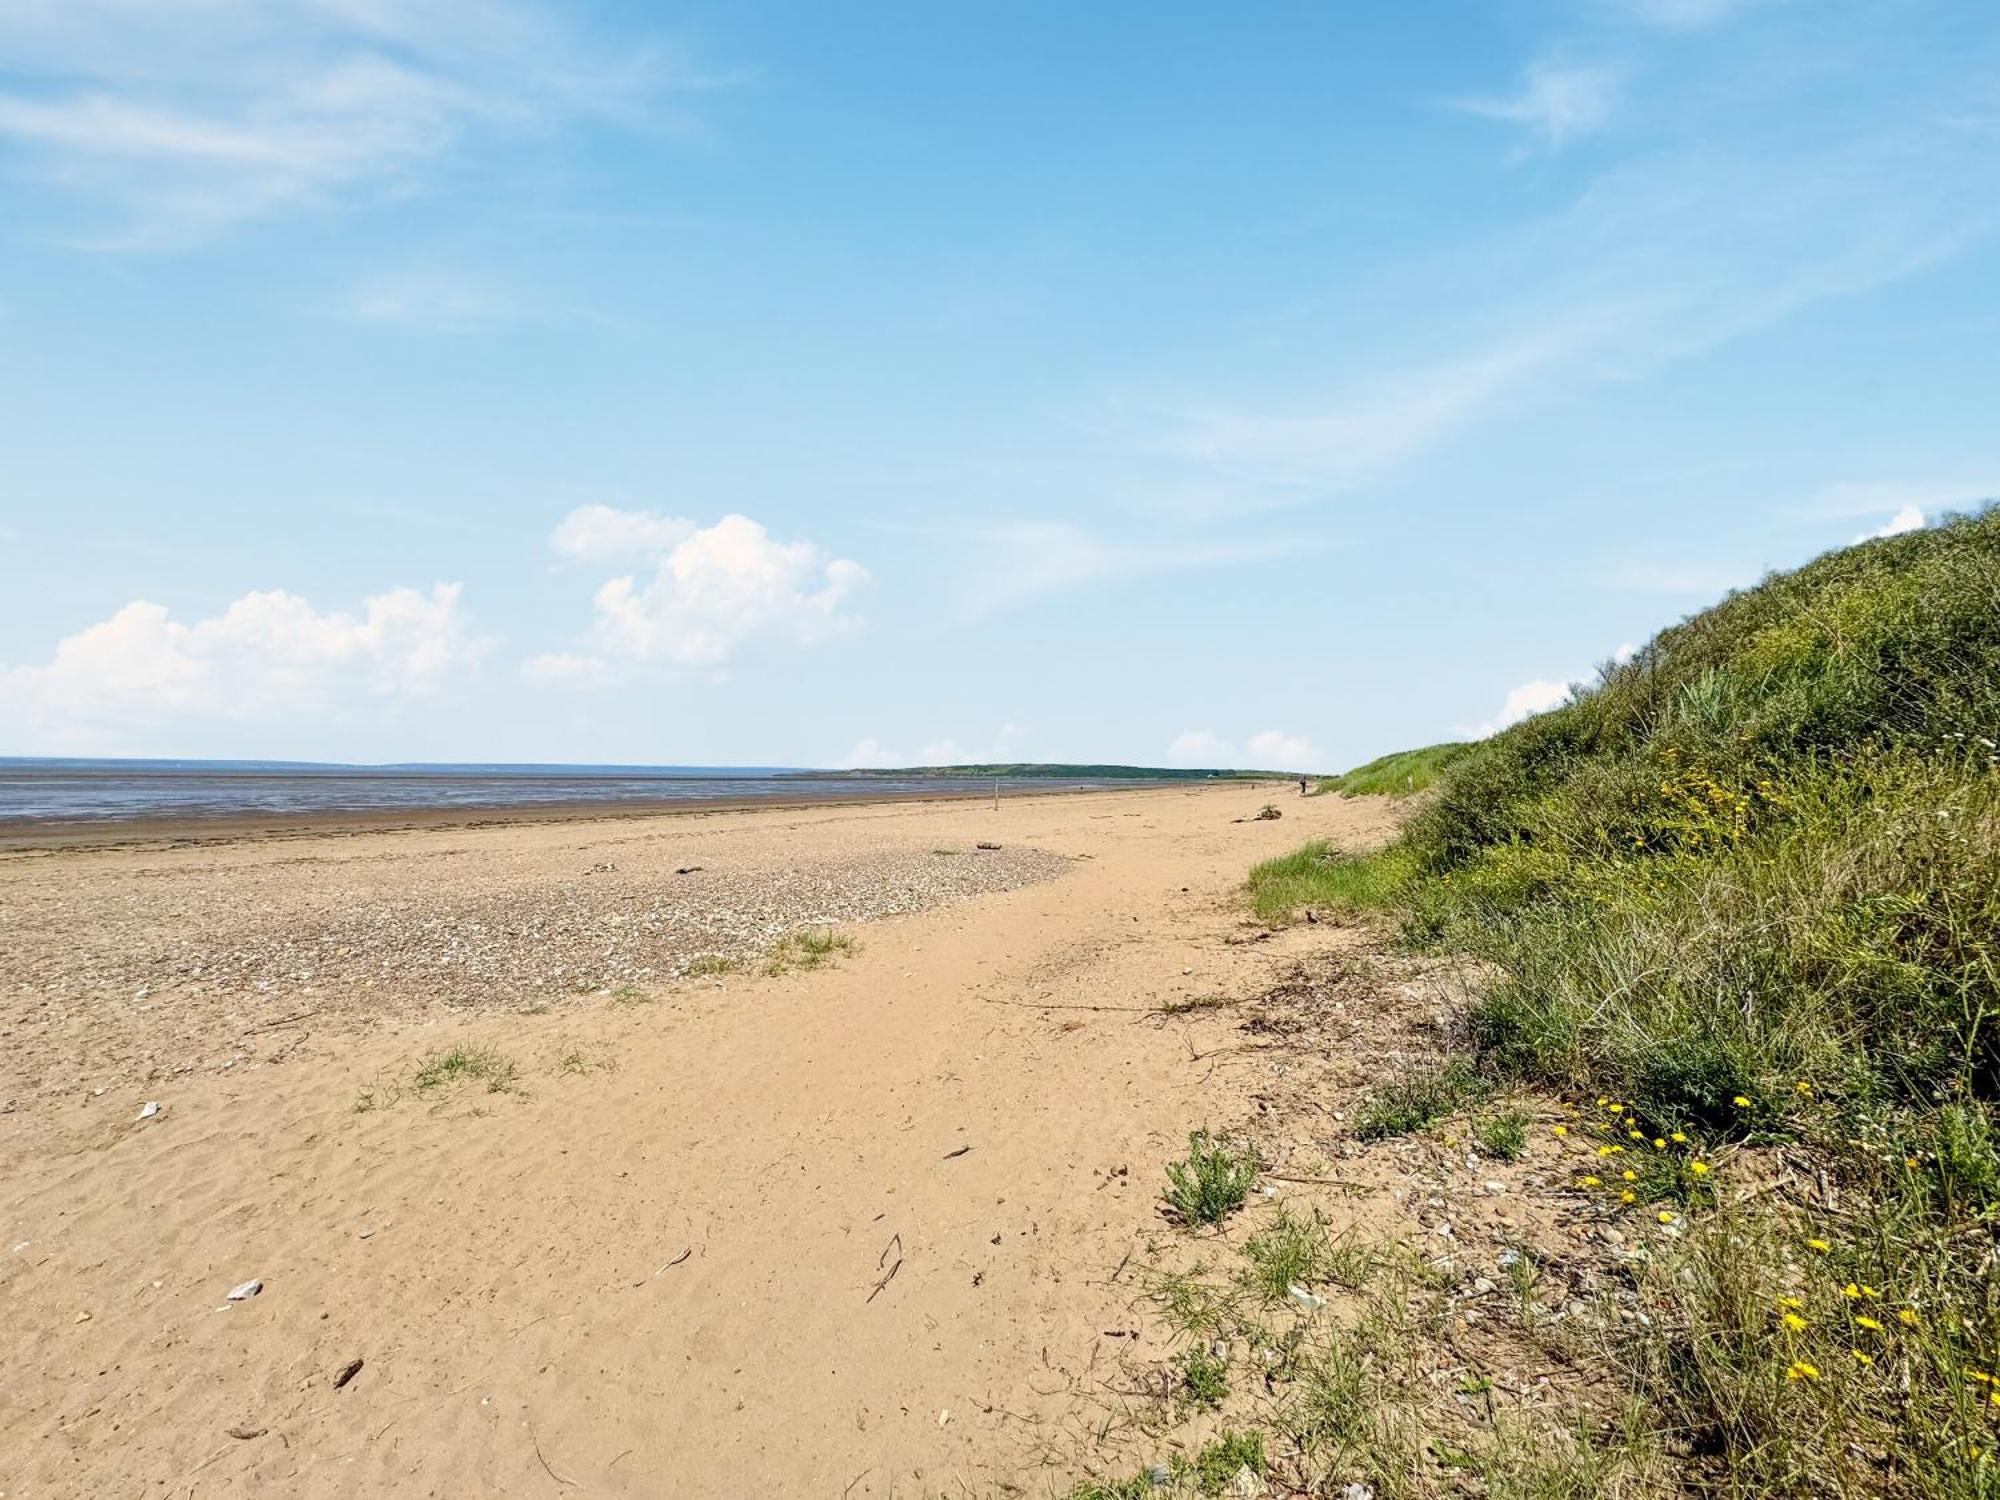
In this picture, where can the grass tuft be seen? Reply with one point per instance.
(809, 948)
(1420, 1099)
(1213, 1182)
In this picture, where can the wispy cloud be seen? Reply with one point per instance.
(184, 117)
(1658, 260)
(1556, 102)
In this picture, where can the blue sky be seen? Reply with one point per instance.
(499, 380)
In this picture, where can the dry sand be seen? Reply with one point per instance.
(848, 1232)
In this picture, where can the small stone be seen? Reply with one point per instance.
(1495, 1186)
(83, 1317)
(246, 1291)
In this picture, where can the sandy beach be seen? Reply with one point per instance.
(847, 1230)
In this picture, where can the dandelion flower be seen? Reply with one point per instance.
(1794, 1322)
(1741, 1101)
(1602, 1101)
(1802, 1087)
(1637, 1135)
(1979, 1377)
(1562, 1130)
(1678, 1138)
(1659, 1143)
(1628, 1196)
(1908, 1317)
(1590, 1182)
(1800, 1370)
(1851, 1292)
(1820, 1245)
(1629, 1175)
(1860, 1358)
(1699, 1168)
(1616, 1109)
(1666, 1216)
(1791, 1302)
(1868, 1323)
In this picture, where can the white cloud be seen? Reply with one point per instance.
(1625, 652)
(600, 533)
(1266, 750)
(871, 755)
(1523, 702)
(187, 116)
(714, 590)
(1906, 518)
(268, 655)
(1558, 103)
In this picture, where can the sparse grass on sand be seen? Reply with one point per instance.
(1402, 774)
(1318, 876)
(1740, 900)
(808, 948)
(445, 1071)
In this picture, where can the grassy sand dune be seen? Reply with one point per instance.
(1739, 903)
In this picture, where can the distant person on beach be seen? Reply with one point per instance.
(1302, 786)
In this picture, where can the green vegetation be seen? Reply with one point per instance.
(1204, 1378)
(707, 965)
(1419, 1099)
(1746, 890)
(1503, 1134)
(444, 1071)
(1317, 875)
(806, 949)
(466, 1065)
(1213, 1182)
(1397, 775)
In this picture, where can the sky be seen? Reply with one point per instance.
(766, 384)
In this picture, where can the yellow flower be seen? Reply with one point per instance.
(1870, 1293)
(1637, 1135)
(1602, 1101)
(1616, 1109)
(1860, 1358)
(1908, 1317)
(1820, 1245)
(1666, 1217)
(1590, 1182)
(1869, 1323)
(1994, 1398)
(1629, 1175)
(1794, 1322)
(1802, 1087)
(1741, 1101)
(1979, 1377)
(1678, 1138)
(1659, 1143)
(1699, 1168)
(1791, 1302)
(1800, 1370)
(1562, 1130)
(1628, 1196)
(1851, 1292)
